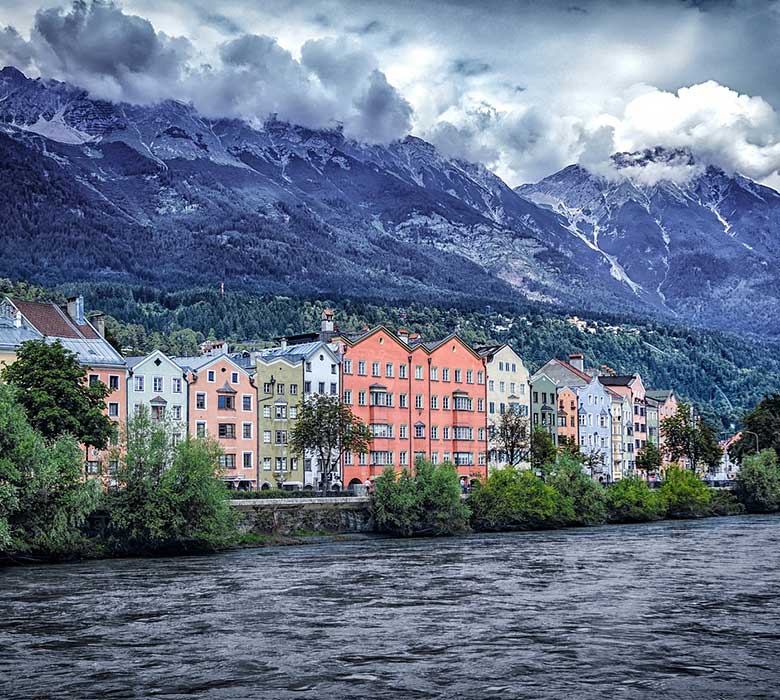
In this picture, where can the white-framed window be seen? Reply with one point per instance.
(402, 399)
(361, 398)
(157, 385)
(419, 430)
(246, 431)
(280, 411)
(200, 429)
(246, 402)
(176, 412)
(434, 374)
(445, 374)
(445, 433)
(211, 376)
(281, 437)
(176, 385)
(480, 377)
(347, 366)
(138, 382)
(200, 400)
(402, 371)
(434, 432)
(402, 457)
(445, 403)
(113, 382)
(434, 401)
(113, 410)
(293, 412)
(469, 376)
(418, 372)
(374, 369)
(266, 411)
(267, 464)
(234, 377)
(361, 368)
(481, 405)
(348, 396)
(458, 375)
(389, 369)
(246, 459)
(418, 401)
(267, 437)
(402, 432)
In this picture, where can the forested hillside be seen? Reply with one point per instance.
(724, 374)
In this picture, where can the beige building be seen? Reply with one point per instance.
(507, 389)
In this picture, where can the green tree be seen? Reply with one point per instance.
(516, 500)
(427, 502)
(649, 459)
(687, 436)
(761, 429)
(758, 482)
(56, 396)
(513, 437)
(583, 496)
(169, 496)
(542, 448)
(327, 427)
(684, 494)
(44, 501)
(631, 500)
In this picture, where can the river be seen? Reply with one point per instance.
(672, 610)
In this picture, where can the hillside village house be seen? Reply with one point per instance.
(508, 391)
(160, 385)
(421, 400)
(544, 405)
(68, 324)
(632, 389)
(223, 405)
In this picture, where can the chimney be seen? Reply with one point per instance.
(18, 319)
(326, 326)
(99, 321)
(577, 360)
(76, 309)
(403, 334)
(284, 343)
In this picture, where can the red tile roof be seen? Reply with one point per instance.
(52, 321)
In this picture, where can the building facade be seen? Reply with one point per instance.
(595, 428)
(157, 383)
(544, 405)
(632, 389)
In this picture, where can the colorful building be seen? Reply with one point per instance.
(508, 391)
(223, 405)
(157, 383)
(544, 404)
(632, 389)
(69, 325)
(421, 400)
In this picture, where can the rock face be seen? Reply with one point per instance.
(291, 516)
(159, 195)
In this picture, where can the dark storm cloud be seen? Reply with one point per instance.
(14, 50)
(470, 67)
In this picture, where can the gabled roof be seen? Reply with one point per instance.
(562, 373)
(661, 395)
(416, 344)
(618, 380)
(136, 360)
(199, 363)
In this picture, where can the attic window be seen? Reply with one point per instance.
(158, 362)
(381, 340)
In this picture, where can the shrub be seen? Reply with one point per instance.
(631, 500)
(725, 503)
(684, 494)
(583, 501)
(758, 482)
(426, 503)
(517, 500)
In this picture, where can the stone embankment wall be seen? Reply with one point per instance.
(290, 515)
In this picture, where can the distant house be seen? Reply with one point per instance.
(158, 383)
(632, 389)
(68, 324)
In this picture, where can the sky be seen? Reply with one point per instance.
(524, 87)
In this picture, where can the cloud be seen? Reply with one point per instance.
(14, 50)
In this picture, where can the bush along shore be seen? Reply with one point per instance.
(165, 496)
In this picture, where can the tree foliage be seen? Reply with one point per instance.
(327, 426)
(584, 497)
(684, 494)
(425, 503)
(543, 450)
(761, 428)
(687, 436)
(513, 437)
(758, 482)
(56, 396)
(649, 459)
(631, 500)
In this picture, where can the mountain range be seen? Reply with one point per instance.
(159, 195)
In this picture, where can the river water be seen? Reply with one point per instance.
(672, 610)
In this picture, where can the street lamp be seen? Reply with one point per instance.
(750, 432)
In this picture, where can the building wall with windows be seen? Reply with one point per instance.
(419, 399)
(568, 418)
(544, 405)
(508, 390)
(223, 405)
(595, 427)
(158, 383)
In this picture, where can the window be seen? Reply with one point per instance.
(501, 387)
(113, 382)
(402, 432)
(267, 388)
(281, 464)
(362, 368)
(434, 401)
(293, 389)
(418, 401)
(445, 403)
(246, 402)
(157, 385)
(381, 398)
(294, 464)
(307, 387)
(308, 366)
(246, 431)
(333, 389)
(280, 389)
(402, 371)
(93, 379)
(434, 374)
(280, 411)
(463, 403)
(381, 430)
(402, 400)
(113, 410)
(462, 433)
(176, 385)
(267, 464)
(176, 412)
(445, 374)
(418, 372)
(266, 411)
(211, 376)
(434, 432)
(93, 467)
(374, 369)
(491, 385)
(247, 460)
(347, 366)
(293, 411)
(402, 457)
(419, 430)
(481, 434)
(361, 398)
(389, 369)
(381, 458)
(492, 407)
(463, 458)
(281, 437)
(480, 377)
(200, 429)
(481, 405)
(321, 388)
(138, 382)
(536, 397)
(226, 403)
(227, 461)
(227, 431)
(200, 400)
(458, 375)
(469, 376)
(348, 396)
(267, 437)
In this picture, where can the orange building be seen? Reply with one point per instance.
(223, 405)
(421, 400)
(568, 416)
